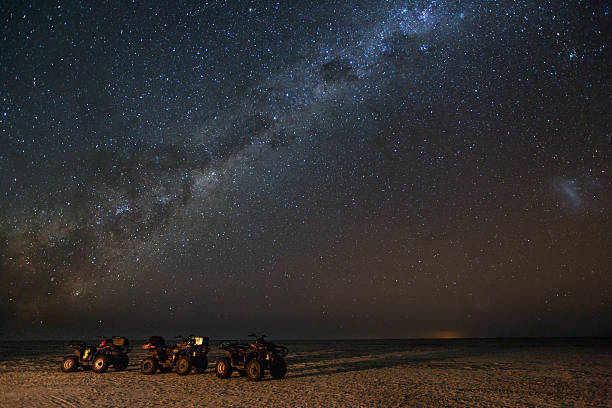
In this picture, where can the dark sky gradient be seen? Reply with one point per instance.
(305, 168)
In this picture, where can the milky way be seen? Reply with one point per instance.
(305, 168)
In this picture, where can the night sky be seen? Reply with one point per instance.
(305, 168)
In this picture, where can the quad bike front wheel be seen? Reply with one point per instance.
(224, 367)
(100, 364)
(121, 362)
(183, 365)
(254, 370)
(148, 366)
(70, 364)
(278, 369)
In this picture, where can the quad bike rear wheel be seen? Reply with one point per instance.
(121, 362)
(100, 364)
(70, 364)
(148, 366)
(183, 365)
(254, 369)
(224, 367)
(278, 369)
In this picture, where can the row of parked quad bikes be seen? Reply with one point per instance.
(186, 356)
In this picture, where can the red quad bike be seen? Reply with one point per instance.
(252, 359)
(110, 351)
(184, 356)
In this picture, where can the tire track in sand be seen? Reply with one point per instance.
(60, 402)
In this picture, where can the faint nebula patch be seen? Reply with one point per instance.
(575, 195)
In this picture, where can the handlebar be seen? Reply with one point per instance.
(263, 336)
(76, 345)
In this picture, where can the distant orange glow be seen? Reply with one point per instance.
(443, 334)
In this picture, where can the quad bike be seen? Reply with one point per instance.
(252, 359)
(184, 356)
(109, 351)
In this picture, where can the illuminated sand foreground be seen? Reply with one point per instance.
(413, 373)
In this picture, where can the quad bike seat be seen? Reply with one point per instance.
(240, 349)
(156, 341)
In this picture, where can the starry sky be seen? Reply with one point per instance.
(305, 168)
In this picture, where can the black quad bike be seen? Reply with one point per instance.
(252, 359)
(185, 356)
(110, 351)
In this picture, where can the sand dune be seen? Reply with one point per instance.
(336, 374)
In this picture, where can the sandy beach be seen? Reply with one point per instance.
(383, 373)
